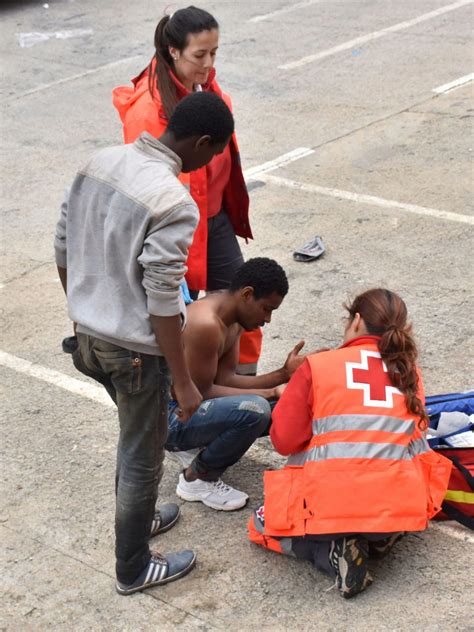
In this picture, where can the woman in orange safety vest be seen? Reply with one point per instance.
(360, 471)
(186, 44)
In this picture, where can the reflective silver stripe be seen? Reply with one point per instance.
(299, 458)
(257, 524)
(362, 450)
(247, 368)
(286, 546)
(418, 446)
(363, 422)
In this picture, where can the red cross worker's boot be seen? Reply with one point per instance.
(348, 557)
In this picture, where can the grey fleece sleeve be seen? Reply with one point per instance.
(60, 244)
(164, 256)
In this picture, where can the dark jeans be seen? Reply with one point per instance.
(225, 427)
(224, 256)
(313, 548)
(139, 385)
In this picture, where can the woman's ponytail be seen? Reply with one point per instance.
(385, 315)
(159, 78)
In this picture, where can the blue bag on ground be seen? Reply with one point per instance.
(451, 433)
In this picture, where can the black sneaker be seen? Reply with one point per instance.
(380, 548)
(161, 569)
(166, 516)
(348, 557)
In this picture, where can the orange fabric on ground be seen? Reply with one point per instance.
(263, 540)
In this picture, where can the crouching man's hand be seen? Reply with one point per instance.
(294, 360)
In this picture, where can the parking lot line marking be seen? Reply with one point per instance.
(452, 85)
(92, 71)
(281, 161)
(366, 199)
(99, 395)
(373, 36)
(71, 384)
(293, 7)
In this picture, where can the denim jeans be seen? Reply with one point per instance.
(139, 385)
(313, 548)
(225, 427)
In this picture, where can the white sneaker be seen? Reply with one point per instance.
(215, 494)
(185, 457)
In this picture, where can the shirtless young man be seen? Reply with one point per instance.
(235, 408)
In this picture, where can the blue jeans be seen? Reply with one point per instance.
(225, 427)
(139, 384)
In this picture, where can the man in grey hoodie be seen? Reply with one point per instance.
(121, 246)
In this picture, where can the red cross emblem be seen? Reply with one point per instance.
(371, 377)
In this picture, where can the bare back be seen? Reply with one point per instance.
(209, 342)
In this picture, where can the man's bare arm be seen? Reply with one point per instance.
(203, 342)
(227, 376)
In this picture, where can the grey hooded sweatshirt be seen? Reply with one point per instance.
(123, 235)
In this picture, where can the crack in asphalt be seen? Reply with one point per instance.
(26, 273)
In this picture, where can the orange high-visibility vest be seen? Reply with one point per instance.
(367, 468)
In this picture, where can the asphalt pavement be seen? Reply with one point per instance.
(354, 120)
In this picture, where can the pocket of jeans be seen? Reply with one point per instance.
(124, 368)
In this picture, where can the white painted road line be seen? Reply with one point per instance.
(367, 199)
(78, 387)
(292, 7)
(99, 395)
(375, 35)
(92, 71)
(452, 85)
(281, 161)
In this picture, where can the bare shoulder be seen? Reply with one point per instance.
(203, 325)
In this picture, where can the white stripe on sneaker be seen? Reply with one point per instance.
(156, 573)
(163, 571)
(151, 568)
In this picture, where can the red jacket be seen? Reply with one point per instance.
(140, 112)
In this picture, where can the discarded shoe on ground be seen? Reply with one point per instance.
(310, 251)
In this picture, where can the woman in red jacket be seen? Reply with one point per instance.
(186, 44)
(360, 471)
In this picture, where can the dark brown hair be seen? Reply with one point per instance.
(174, 31)
(385, 315)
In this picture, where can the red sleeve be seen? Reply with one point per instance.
(292, 417)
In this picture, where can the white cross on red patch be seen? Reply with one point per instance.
(371, 377)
